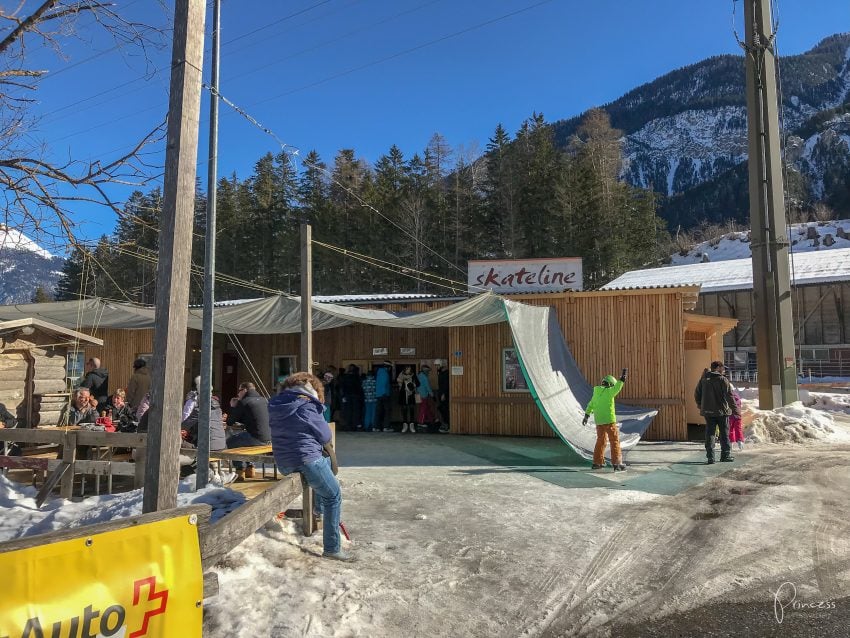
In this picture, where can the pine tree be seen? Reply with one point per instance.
(497, 224)
(40, 295)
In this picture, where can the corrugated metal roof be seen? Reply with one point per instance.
(399, 297)
(825, 266)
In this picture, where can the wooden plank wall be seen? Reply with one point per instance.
(644, 332)
(120, 348)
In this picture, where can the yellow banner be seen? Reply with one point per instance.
(139, 581)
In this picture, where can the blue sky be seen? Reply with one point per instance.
(366, 74)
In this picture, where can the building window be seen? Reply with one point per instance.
(282, 366)
(512, 378)
(76, 366)
(814, 354)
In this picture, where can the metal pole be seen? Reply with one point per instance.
(774, 323)
(162, 470)
(307, 347)
(207, 334)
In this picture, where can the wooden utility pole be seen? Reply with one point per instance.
(207, 333)
(307, 347)
(162, 471)
(774, 321)
(306, 297)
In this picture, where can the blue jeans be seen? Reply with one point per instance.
(369, 415)
(243, 439)
(320, 477)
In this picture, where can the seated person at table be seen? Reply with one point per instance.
(83, 408)
(189, 428)
(122, 416)
(251, 410)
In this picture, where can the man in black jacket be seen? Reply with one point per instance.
(97, 381)
(251, 410)
(713, 395)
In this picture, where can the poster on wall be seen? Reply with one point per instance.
(512, 378)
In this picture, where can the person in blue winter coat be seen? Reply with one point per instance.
(299, 433)
(383, 395)
(426, 397)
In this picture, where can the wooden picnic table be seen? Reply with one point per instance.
(68, 438)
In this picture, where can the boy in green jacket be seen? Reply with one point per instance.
(602, 404)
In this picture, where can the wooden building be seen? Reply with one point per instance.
(821, 294)
(33, 374)
(649, 331)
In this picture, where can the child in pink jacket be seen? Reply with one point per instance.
(736, 431)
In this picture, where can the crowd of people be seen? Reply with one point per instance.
(364, 400)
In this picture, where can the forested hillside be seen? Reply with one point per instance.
(430, 212)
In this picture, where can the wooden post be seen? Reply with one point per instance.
(69, 455)
(162, 470)
(306, 297)
(307, 346)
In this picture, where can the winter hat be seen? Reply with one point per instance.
(139, 363)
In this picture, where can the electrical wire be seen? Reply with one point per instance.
(403, 270)
(296, 151)
(402, 53)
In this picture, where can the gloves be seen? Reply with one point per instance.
(585, 419)
(624, 375)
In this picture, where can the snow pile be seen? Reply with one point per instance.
(826, 401)
(794, 423)
(21, 516)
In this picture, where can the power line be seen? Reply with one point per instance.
(271, 24)
(402, 53)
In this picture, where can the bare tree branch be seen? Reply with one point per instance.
(39, 192)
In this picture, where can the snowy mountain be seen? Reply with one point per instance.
(686, 133)
(24, 266)
(809, 237)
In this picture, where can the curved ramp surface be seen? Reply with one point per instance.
(558, 386)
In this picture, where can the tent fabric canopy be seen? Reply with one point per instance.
(558, 386)
(272, 315)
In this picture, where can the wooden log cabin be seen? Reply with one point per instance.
(33, 373)
(649, 330)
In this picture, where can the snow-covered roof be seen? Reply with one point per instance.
(808, 268)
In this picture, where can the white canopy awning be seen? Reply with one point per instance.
(272, 315)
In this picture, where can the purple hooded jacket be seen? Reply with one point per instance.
(298, 428)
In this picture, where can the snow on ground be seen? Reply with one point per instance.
(21, 516)
(489, 536)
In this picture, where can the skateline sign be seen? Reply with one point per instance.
(525, 275)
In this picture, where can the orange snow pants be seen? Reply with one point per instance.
(611, 432)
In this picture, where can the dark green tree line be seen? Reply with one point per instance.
(432, 211)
